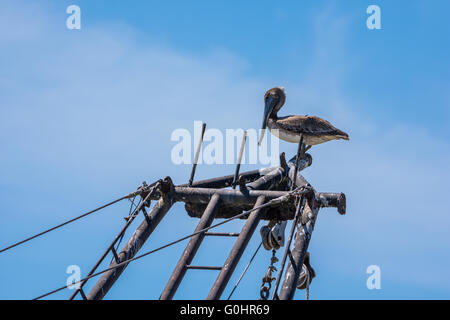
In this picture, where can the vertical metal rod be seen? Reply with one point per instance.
(287, 249)
(133, 245)
(191, 249)
(299, 154)
(236, 253)
(294, 223)
(197, 153)
(238, 166)
(299, 250)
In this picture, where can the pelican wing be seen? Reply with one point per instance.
(310, 125)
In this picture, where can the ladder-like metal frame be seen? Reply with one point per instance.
(208, 200)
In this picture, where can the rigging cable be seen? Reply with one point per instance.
(70, 221)
(272, 202)
(245, 270)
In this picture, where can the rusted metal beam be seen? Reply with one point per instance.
(191, 249)
(236, 252)
(304, 231)
(226, 181)
(334, 200)
(228, 197)
(133, 245)
(285, 211)
(270, 180)
(302, 239)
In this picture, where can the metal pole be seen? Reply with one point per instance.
(294, 223)
(133, 245)
(302, 238)
(303, 235)
(297, 159)
(191, 249)
(226, 181)
(238, 166)
(229, 197)
(287, 249)
(197, 153)
(236, 253)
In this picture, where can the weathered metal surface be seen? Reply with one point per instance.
(335, 200)
(130, 219)
(284, 211)
(301, 243)
(191, 249)
(133, 245)
(226, 181)
(197, 153)
(287, 251)
(228, 197)
(274, 179)
(268, 181)
(236, 252)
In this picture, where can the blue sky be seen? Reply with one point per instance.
(86, 116)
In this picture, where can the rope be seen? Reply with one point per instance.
(63, 224)
(245, 270)
(125, 262)
(131, 213)
(128, 196)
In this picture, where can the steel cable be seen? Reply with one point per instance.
(267, 204)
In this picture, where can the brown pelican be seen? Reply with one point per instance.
(314, 129)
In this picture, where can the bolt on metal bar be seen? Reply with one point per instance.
(191, 249)
(236, 252)
(197, 154)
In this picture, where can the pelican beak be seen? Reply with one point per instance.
(271, 102)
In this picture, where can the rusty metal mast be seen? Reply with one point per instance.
(212, 199)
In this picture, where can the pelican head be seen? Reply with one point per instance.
(273, 101)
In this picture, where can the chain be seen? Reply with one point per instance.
(267, 279)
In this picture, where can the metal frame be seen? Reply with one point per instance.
(209, 200)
